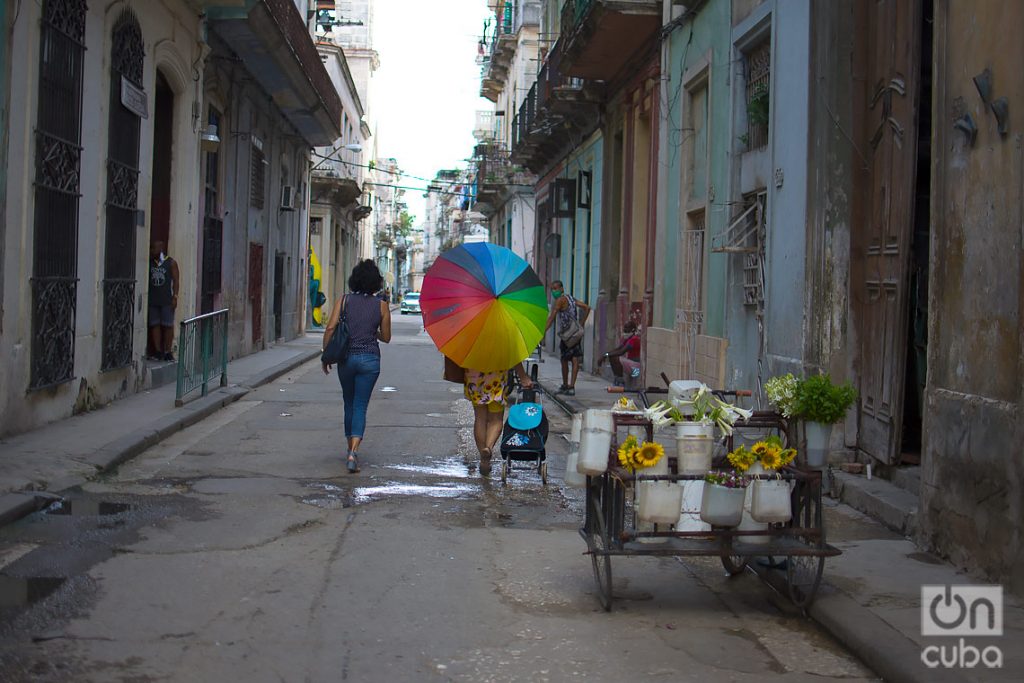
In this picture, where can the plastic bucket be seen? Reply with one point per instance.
(818, 437)
(721, 506)
(595, 442)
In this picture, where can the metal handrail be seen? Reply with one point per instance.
(196, 361)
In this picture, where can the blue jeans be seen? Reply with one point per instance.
(358, 374)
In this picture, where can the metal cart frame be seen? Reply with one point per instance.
(610, 529)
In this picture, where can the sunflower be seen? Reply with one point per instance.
(627, 452)
(787, 456)
(759, 448)
(741, 459)
(771, 459)
(648, 454)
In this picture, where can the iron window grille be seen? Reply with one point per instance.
(758, 76)
(58, 137)
(126, 58)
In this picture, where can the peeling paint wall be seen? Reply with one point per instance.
(973, 465)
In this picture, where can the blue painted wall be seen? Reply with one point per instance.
(701, 45)
(577, 259)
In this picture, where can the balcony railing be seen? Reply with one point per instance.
(600, 37)
(553, 98)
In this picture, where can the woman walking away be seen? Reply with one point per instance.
(488, 392)
(369, 321)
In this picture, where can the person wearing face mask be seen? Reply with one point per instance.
(572, 316)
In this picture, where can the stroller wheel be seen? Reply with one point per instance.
(544, 473)
(505, 466)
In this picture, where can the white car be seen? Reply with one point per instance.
(410, 303)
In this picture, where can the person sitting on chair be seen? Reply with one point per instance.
(626, 356)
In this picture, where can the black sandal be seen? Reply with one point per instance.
(353, 463)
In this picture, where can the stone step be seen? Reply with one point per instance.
(882, 500)
(907, 478)
(159, 373)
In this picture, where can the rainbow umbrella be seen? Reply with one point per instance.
(483, 306)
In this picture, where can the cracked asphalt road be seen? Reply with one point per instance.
(244, 552)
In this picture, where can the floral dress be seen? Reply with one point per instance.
(487, 388)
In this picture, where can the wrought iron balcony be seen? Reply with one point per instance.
(600, 37)
(495, 64)
(557, 109)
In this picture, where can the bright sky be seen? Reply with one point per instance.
(427, 91)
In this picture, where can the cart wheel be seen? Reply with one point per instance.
(602, 562)
(544, 473)
(803, 576)
(734, 564)
(504, 471)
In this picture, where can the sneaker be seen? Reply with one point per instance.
(570, 391)
(169, 357)
(618, 382)
(562, 389)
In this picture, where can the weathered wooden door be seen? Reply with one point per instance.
(890, 64)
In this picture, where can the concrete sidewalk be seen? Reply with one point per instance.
(37, 464)
(870, 597)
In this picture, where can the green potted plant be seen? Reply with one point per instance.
(820, 404)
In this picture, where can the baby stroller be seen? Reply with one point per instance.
(525, 433)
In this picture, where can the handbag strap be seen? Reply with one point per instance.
(344, 313)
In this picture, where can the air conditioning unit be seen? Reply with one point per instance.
(287, 198)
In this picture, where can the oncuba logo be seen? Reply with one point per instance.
(962, 611)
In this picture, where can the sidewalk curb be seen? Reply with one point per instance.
(569, 405)
(886, 651)
(270, 374)
(17, 504)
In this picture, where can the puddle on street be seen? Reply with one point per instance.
(18, 591)
(365, 494)
(331, 488)
(85, 507)
(452, 467)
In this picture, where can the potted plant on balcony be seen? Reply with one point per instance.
(820, 403)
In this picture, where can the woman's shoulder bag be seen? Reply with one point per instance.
(337, 347)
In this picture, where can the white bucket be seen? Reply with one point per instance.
(572, 476)
(689, 511)
(658, 501)
(818, 437)
(577, 428)
(721, 506)
(695, 444)
(770, 501)
(748, 523)
(595, 442)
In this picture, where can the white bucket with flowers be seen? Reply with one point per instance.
(768, 501)
(658, 502)
(722, 503)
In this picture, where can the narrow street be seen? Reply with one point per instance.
(239, 550)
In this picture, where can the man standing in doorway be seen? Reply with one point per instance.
(163, 299)
(572, 316)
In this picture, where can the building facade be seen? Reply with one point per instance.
(139, 123)
(777, 186)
